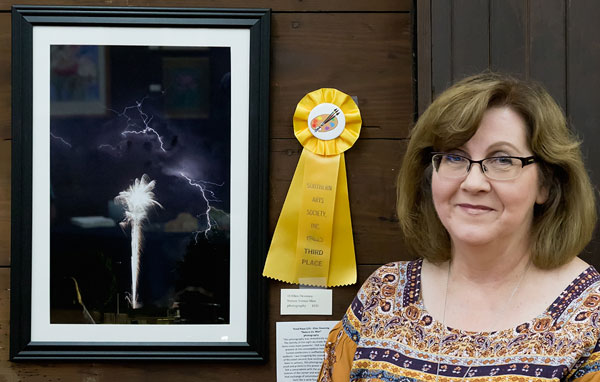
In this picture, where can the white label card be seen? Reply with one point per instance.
(306, 301)
(300, 349)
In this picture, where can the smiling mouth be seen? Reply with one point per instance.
(474, 209)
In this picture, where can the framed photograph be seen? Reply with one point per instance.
(139, 183)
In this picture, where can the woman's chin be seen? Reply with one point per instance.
(473, 238)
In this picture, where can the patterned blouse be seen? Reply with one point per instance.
(388, 335)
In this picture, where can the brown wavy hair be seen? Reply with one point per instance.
(562, 226)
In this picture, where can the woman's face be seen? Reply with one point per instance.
(476, 210)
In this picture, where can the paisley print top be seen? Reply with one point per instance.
(388, 335)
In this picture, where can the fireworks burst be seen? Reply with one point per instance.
(136, 200)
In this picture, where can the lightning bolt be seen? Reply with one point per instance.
(208, 196)
(133, 128)
(60, 139)
(138, 123)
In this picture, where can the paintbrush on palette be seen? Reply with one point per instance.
(331, 116)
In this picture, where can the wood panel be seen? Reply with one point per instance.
(583, 77)
(5, 366)
(372, 173)
(372, 167)
(5, 202)
(441, 45)
(583, 82)
(280, 5)
(423, 55)
(470, 37)
(508, 37)
(525, 38)
(371, 60)
(547, 62)
(5, 25)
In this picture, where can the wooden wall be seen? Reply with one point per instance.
(362, 48)
(555, 42)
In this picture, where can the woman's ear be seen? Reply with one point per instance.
(542, 195)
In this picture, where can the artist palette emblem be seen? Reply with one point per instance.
(326, 121)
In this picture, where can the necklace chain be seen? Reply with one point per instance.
(443, 331)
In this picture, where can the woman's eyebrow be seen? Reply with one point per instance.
(500, 145)
(503, 145)
(458, 150)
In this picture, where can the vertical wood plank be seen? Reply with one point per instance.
(6, 372)
(584, 77)
(547, 47)
(470, 37)
(583, 82)
(423, 55)
(5, 44)
(5, 202)
(441, 45)
(508, 31)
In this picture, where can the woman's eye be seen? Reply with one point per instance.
(502, 161)
(453, 158)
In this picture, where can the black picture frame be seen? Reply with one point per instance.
(25, 171)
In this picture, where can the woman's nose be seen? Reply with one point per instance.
(476, 180)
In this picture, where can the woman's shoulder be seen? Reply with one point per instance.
(580, 298)
(396, 272)
(575, 279)
(585, 286)
(391, 278)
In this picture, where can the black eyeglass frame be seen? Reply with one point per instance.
(525, 161)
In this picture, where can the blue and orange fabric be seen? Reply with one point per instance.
(388, 335)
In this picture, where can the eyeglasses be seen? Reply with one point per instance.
(497, 168)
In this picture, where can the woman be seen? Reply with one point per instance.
(494, 197)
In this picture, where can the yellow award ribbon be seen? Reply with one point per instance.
(313, 243)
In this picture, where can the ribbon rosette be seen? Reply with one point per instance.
(313, 243)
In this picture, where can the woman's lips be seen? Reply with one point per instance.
(474, 209)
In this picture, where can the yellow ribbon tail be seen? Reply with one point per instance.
(342, 267)
(313, 243)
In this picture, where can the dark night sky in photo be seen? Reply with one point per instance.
(167, 115)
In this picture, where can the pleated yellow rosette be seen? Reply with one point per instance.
(313, 242)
